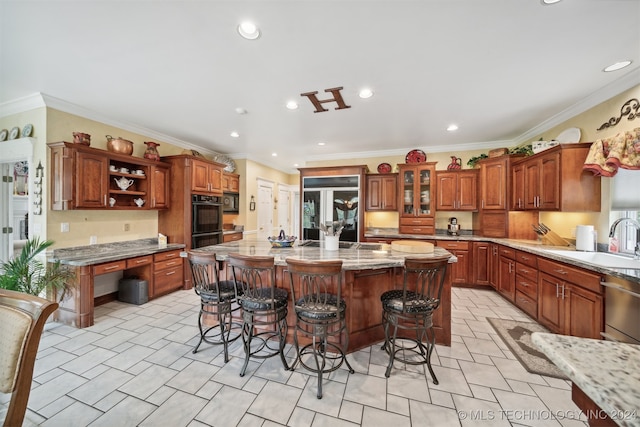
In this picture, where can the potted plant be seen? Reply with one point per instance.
(27, 273)
(474, 160)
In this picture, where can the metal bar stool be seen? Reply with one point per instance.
(264, 307)
(320, 315)
(218, 299)
(408, 311)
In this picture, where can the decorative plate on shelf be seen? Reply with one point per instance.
(415, 156)
(26, 130)
(14, 133)
(384, 168)
(3, 134)
(221, 158)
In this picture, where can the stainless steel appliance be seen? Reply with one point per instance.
(622, 310)
(206, 228)
(453, 228)
(230, 202)
(328, 199)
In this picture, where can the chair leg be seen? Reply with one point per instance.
(432, 344)
(247, 329)
(195, 350)
(282, 331)
(392, 353)
(225, 339)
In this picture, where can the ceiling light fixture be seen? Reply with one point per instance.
(617, 66)
(320, 143)
(452, 128)
(274, 154)
(234, 134)
(549, 2)
(292, 105)
(365, 93)
(241, 110)
(249, 30)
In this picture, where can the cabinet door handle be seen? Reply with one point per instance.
(113, 267)
(557, 291)
(171, 263)
(563, 291)
(525, 284)
(170, 273)
(561, 272)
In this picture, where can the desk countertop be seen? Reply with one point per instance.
(608, 372)
(106, 252)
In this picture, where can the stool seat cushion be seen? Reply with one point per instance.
(260, 299)
(327, 309)
(414, 303)
(227, 292)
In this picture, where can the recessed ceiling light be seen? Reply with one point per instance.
(548, 2)
(234, 134)
(241, 110)
(365, 93)
(274, 154)
(292, 105)
(617, 66)
(295, 165)
(320, 143)
(249, 30)
(452, 128)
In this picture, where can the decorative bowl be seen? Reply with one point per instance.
(282, 242)
(119, 145)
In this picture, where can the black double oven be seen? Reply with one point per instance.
(206, 228)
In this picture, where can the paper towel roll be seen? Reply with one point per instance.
(585, 238)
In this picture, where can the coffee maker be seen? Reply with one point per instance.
(453, 228)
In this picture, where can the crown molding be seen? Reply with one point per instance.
(27, 103)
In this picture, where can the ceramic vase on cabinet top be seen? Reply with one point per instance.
(151, 152)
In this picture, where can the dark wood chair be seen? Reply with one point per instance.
(264, 307)
(407, 313)
(22, 319)
(316, 289)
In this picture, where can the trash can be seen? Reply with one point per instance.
(133, 291)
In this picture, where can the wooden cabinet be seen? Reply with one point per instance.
(167, 273)
(206, 177)
(526, 285)
(459, 271)
(507, 273)
(457, 190)
(570, 299)
(230, 182)
(554, 180)
(86, 178)
(480, 263)
(494, 264)
(417, 198)
(232, 237)
(381, 192)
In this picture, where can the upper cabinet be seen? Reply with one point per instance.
(88, 178)
(457, 190)
(417, 196)
(554, 180)
(206, 177)
(381, 192)
(230, 182)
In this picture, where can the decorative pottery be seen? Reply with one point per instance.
(151, 152)
(81, 138)
(415, 156)
(456, 163)
(119, 145)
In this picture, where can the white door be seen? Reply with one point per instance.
(284, 220)
(265, 210)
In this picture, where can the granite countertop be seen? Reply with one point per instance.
(606, 371)
(364, 256)
(531, 246)
(106, 252)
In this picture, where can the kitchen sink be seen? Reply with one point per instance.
(601, 259)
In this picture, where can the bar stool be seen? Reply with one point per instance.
(320, 315)
(264, 307)
(408, 311)
(217, 299)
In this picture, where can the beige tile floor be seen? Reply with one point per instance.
(135, 367)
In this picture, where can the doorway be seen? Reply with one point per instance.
(265, 209)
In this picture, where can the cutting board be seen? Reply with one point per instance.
(412, 246)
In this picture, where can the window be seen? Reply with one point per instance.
(626, 232)
(625, 203)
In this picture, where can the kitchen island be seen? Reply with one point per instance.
(605, 376)
(369, 269)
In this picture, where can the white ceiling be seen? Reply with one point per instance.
(503, 70)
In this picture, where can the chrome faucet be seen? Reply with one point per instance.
(636, 224)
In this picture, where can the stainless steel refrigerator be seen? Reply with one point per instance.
(330, 200)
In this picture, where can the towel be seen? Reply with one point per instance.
(607, 155)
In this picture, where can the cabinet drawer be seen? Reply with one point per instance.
(453, 245)
(578, 276)
(109, 267)
(527, 271)
(414, 229)
(417, 221)
(507, 252)
(170, 263)
(162, 256)
(138, 261)
(527, 258)
(167, 280)
(232, 237)
(526, 304)
(527, 286)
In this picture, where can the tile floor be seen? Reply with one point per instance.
(135, 367)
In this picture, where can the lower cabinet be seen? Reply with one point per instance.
(231, 237)
(459, 271)
(570, 300)
(507, 273)
(526, 291)
(167, 273)
(480, 263)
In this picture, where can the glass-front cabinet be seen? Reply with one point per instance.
(416, 185)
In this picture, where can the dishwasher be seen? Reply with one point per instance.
(622, 310)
